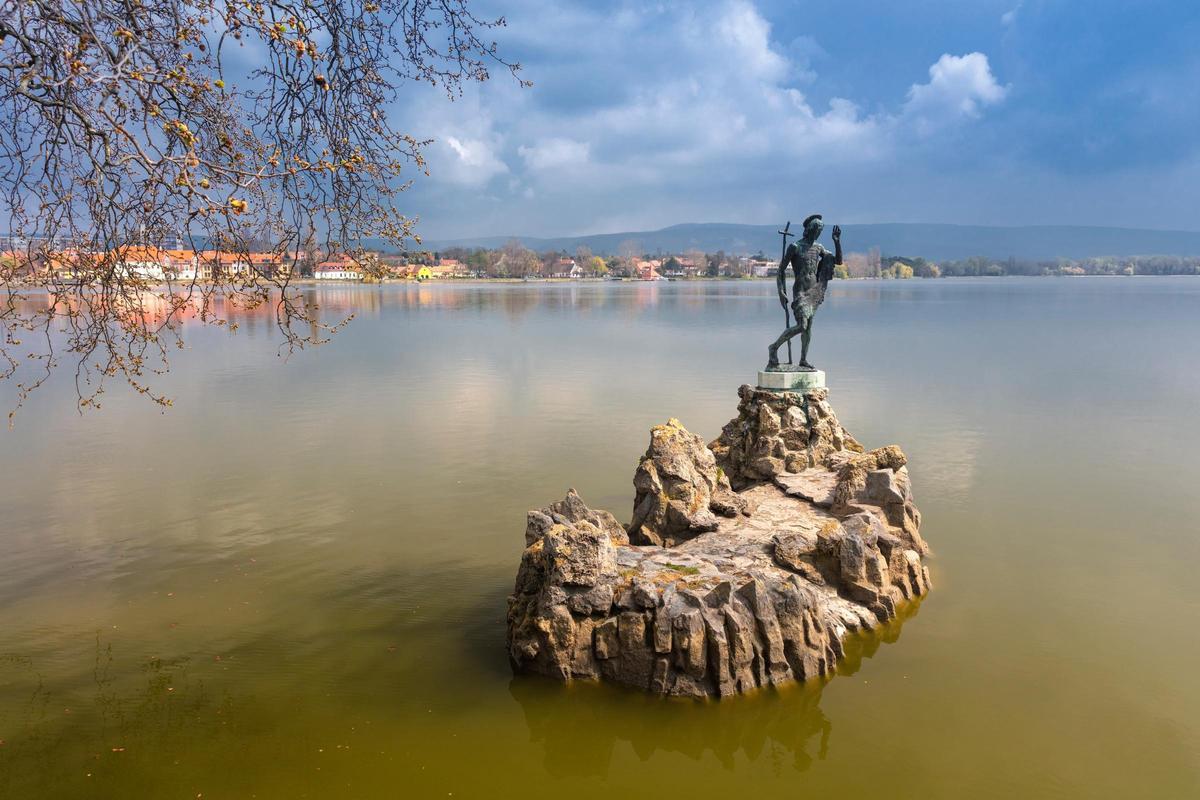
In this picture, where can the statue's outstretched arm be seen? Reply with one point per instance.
(837, 244)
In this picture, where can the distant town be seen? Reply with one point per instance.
(174, 262)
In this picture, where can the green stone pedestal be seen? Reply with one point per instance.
(792, 380)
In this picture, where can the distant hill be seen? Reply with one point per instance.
(933, 241)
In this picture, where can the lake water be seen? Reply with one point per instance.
(292, 584)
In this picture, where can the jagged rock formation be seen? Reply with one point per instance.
(679, 489)
(711, 591)
(777, 433)
(569, 511)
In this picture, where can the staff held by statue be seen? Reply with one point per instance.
(787, 315)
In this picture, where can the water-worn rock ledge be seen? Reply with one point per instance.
(745, 564)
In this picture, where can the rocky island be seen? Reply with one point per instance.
(744, 565)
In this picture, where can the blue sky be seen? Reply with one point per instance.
(643, 115)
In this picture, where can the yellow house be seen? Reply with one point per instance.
(424, 274)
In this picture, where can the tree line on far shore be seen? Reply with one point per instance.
(873, 265)
(516, 260)
(977, 266)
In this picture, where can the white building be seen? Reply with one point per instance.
(337, 273)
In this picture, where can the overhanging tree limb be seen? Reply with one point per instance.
(124, 122)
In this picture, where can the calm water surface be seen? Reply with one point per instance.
(292, 584)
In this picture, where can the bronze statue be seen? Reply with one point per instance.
(813, 267)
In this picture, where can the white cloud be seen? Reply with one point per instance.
(715, 89)
(1009, 17)
(468, 146)
(669, 112)
(743, 32)
(802, 52)
(554, 153)
(472, 162)
(959, 86)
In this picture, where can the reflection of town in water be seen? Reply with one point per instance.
(335, 303)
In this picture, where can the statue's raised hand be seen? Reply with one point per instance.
(837, 233)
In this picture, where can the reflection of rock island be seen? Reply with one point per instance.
(580, 728)
(746, 563)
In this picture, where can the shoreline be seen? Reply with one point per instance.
(315, 282)
(721, 279)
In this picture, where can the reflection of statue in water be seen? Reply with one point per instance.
(813, 266)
